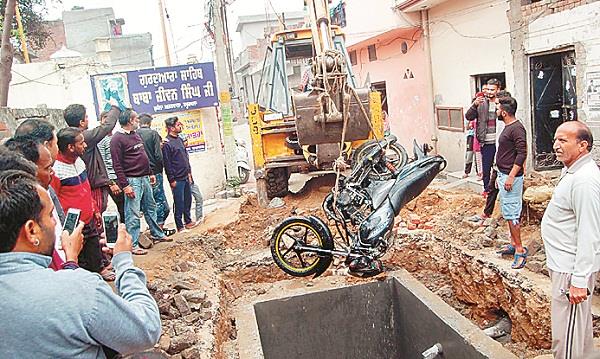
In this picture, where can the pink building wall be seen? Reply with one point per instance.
(407, 84)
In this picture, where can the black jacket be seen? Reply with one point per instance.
(152, 141)
(94, 164)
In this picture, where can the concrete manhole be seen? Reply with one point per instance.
(394, 318)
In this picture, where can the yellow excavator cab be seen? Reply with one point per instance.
(307, 99)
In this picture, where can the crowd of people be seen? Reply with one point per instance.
(44, 173)
(571, 223)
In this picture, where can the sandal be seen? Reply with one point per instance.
(138, 251)
(520, 259)
(506, 250)
(163, 239)
(108, 275)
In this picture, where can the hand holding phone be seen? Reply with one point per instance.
(123, 243)
(111, 226)
(71, 220)
(72, 243)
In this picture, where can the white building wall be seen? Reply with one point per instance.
(468, 37)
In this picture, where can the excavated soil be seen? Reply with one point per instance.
(227, 259)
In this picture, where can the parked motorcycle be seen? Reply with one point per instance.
(243, 163)
(361, 208)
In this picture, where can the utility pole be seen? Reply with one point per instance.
(6, 53)
(21, 33)
(224, 82)
(161, 10)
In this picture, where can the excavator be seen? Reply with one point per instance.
(309, 112)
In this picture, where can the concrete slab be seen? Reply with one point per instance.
(472, 183)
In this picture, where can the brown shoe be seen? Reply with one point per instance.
(191, 225)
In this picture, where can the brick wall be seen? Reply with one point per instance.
(532, 11)
(54, 43)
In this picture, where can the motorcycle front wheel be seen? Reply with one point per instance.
(294, 232)
(244, 174)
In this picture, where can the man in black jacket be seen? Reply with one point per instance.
(152, 145)
(75, 115)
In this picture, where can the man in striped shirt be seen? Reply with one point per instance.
(73, 189)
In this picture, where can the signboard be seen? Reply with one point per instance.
(193, 128)
(158, 90)
(592, 89)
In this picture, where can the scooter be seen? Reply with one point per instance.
(243, 163)
(362, 210)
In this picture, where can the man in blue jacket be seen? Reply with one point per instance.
(179, 173)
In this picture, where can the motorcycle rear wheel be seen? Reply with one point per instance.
(299, 263)
(394, 153)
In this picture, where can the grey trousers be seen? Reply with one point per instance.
(199, 201)
(572, 332)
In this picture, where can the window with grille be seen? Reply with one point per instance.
(450, 118)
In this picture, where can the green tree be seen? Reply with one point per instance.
(32, 12)
(32, 15)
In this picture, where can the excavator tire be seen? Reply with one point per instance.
(277, 182)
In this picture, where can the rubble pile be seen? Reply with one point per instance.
(187, 317)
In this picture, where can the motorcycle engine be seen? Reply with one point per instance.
(351, 204)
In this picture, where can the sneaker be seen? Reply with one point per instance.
(182, 230)
(465, 175)
(169, 231)
(200, 221)
(191, 225)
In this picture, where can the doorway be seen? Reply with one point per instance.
(554, 101)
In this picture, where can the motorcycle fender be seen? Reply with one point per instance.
(377, 225)
(322, 228)
(244, 165)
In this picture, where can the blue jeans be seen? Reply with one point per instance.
(143, 201)
(199, 201)
(162, 206)
(182, 196)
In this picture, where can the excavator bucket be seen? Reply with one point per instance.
(312, 130)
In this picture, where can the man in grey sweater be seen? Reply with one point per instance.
(69, 313)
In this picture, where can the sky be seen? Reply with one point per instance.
(185, 32)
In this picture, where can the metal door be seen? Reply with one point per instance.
(553, 82)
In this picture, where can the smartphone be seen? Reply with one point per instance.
(111, 226)
(71, 220)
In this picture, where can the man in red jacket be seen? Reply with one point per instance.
(73, 189)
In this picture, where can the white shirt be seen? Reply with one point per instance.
(571, 223)
(58, 231)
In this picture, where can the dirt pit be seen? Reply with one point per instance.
(203, 276)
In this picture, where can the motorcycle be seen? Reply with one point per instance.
(362, 208)
(242, 161)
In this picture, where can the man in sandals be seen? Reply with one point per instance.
(571, 234)
(510, 157)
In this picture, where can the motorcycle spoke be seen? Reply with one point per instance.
(288, 251)
(300, 258)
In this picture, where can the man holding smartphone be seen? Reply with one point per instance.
(92, 318)
(483, 110)
(571, 234)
